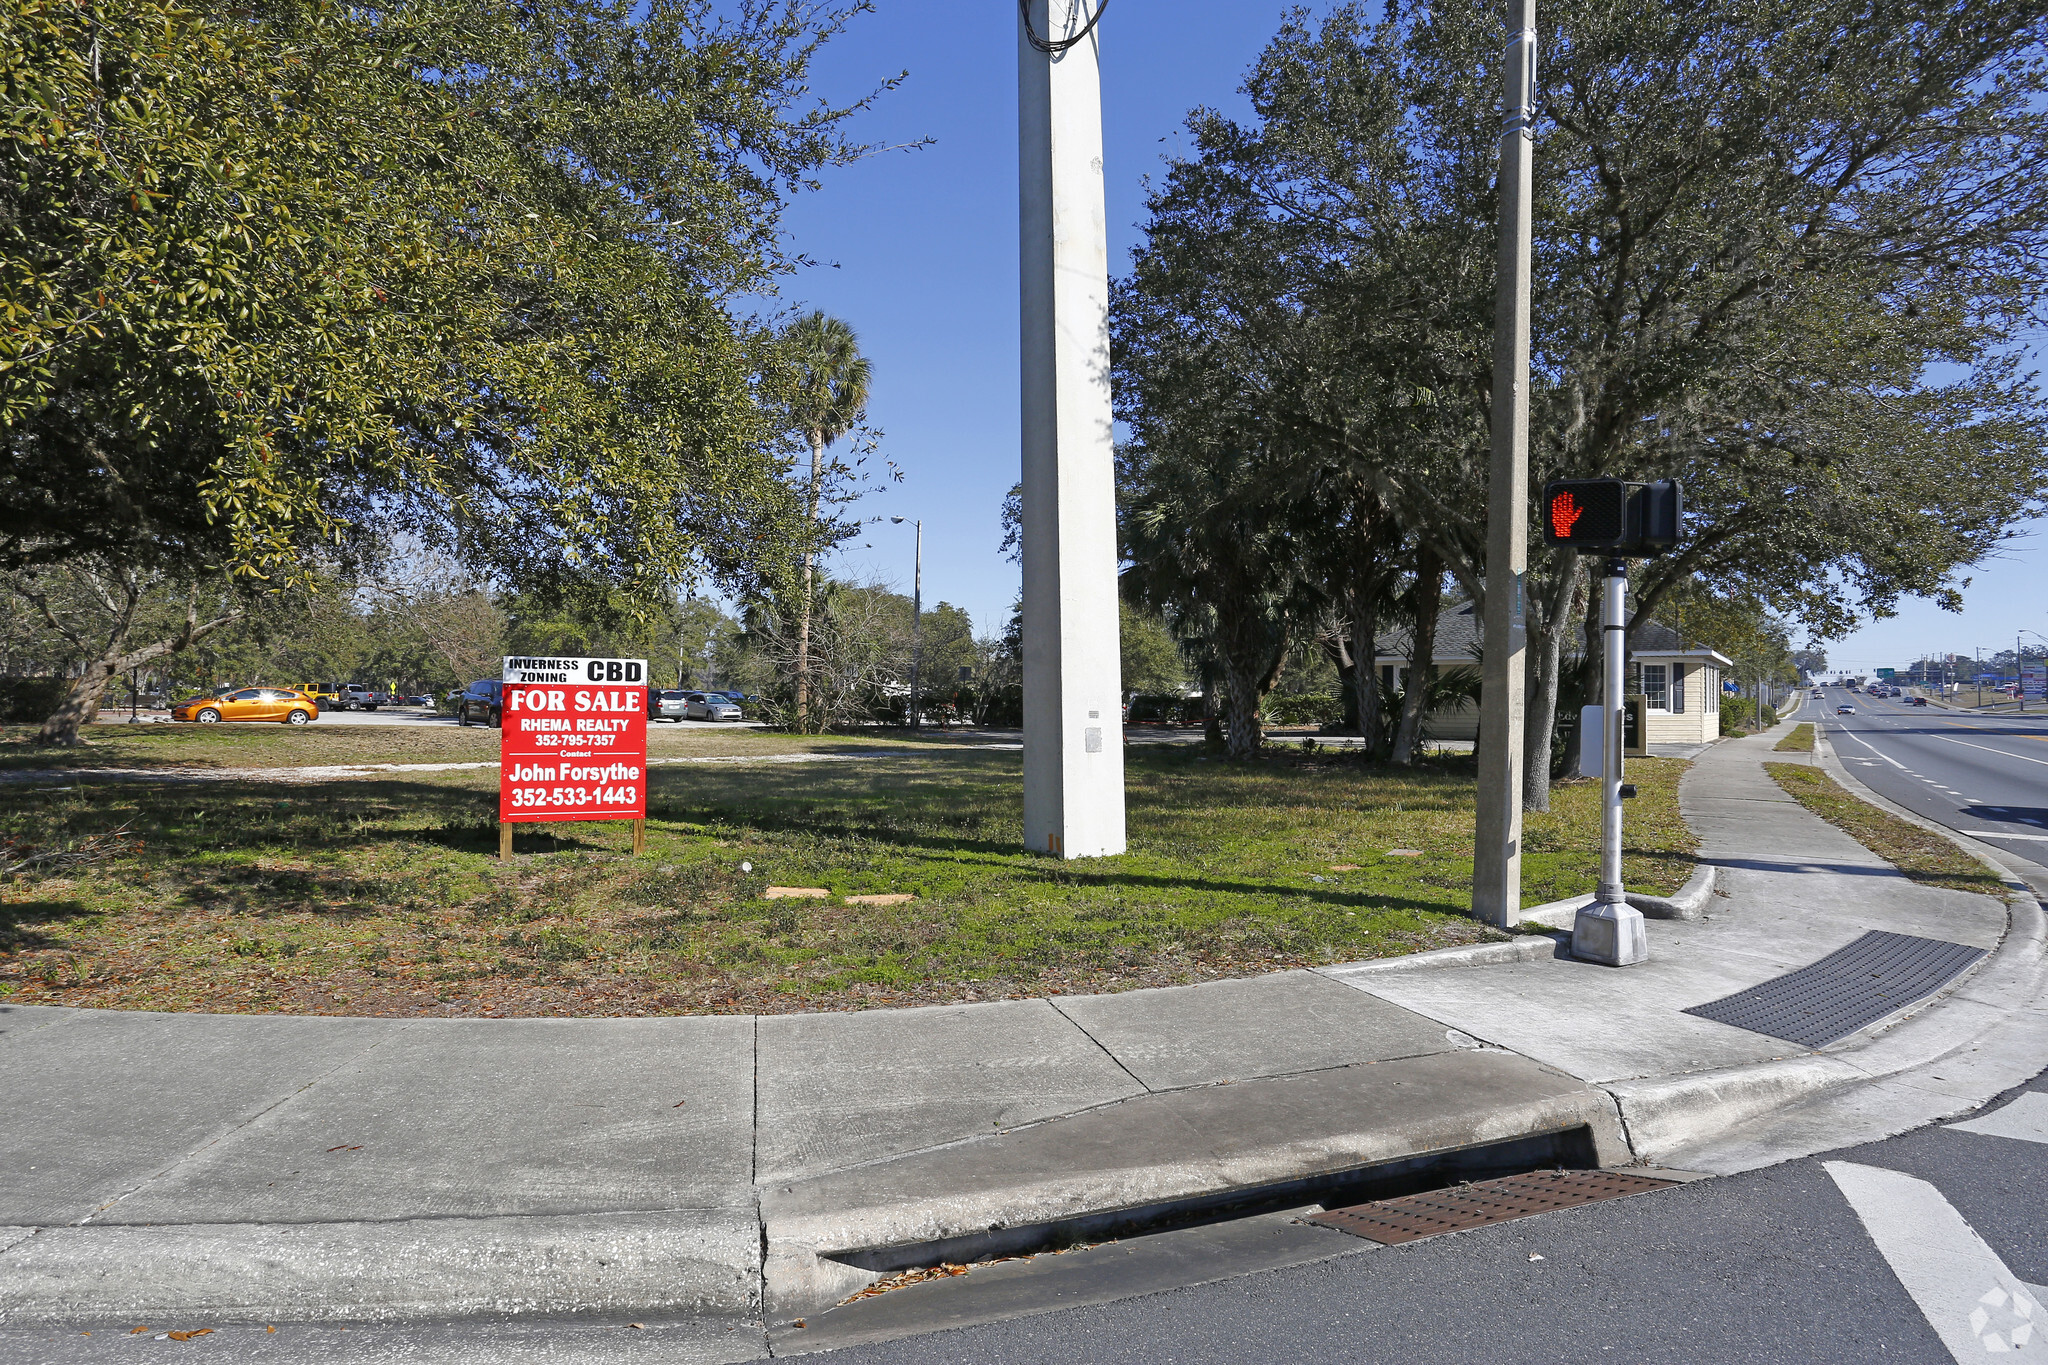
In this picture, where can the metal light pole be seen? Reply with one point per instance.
(916, 615)
(1610, 930)
(1073, 737)
(1497, 860)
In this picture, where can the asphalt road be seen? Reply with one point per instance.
(1985, 776)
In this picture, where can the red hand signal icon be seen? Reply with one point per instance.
(1564, 513)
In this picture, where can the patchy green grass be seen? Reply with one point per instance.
(1921, 854)
(1799, 741)
(251, 744)
(386, 897)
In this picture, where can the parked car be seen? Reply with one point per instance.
(357, 697)
(1845, 709)
(482, 703)
(709, 706)
(250, 703)
(453, 695)
(668, 705)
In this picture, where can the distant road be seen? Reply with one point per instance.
(1985, 776)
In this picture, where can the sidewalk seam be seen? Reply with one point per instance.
(754, 1176)
(1098, 1043)
(229, 1132)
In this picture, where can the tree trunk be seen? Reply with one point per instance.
(1252, 657)
(803, 626)
(1429, 583)
(1212, 724)
(1546, 627)
(1365, 654)
(1589, 673)
(81, 706)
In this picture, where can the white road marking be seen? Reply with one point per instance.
(1995, 834)
(2026, 1118)
(1989, 750)
(1873, 748)
(1973, 1302)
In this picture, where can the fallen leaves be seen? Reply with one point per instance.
(187, 1336)
(357, 1148)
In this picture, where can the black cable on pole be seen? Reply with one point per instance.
(1047, 46)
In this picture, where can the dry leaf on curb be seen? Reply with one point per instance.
(133, 1330)
(637, 1326)
(357, 1148)
(679, 1104)
(270, 1329)
(187, 1336)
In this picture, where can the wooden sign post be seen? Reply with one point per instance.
(573, 744)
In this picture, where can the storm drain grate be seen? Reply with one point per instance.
(1477, 1205)
(1849, 989)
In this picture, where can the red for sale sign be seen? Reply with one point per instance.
(574, 740)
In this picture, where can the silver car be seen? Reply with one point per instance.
(670, 705)
(710, 706)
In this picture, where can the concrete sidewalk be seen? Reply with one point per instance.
(748, 1172)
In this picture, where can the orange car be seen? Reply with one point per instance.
(251, 703)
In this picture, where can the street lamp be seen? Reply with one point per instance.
(916, 614)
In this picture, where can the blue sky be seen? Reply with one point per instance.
(917, 250)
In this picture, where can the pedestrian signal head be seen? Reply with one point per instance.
(1612, 516)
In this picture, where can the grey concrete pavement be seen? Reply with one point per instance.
(256, 1168)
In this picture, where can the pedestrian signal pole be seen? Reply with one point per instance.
(1617, 520)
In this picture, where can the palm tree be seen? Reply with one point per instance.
(831, 396)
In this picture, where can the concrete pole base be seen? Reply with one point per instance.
(1610, 933)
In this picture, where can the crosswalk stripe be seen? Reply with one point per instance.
(2026, 1118)
(1975, 1305)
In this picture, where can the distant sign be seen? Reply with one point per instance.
(574, 743)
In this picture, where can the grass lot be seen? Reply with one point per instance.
(1799, 741)
(250, 744)
(375, 896)
(1921, 854)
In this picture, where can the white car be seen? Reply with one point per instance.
(1845, 709)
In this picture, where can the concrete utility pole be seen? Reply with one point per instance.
(1073, 717)
(916, 615)
(1497, 861)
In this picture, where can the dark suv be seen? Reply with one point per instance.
(481, 703)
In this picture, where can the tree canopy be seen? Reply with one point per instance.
(453, 270)
(1783, 252)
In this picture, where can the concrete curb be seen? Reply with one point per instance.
(1526, 948)
(1688, 904)
(1080, 1173)
(686, 1262)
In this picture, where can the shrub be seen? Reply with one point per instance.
(29, 701)
(1308, 708)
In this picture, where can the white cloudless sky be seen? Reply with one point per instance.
(917, 250)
